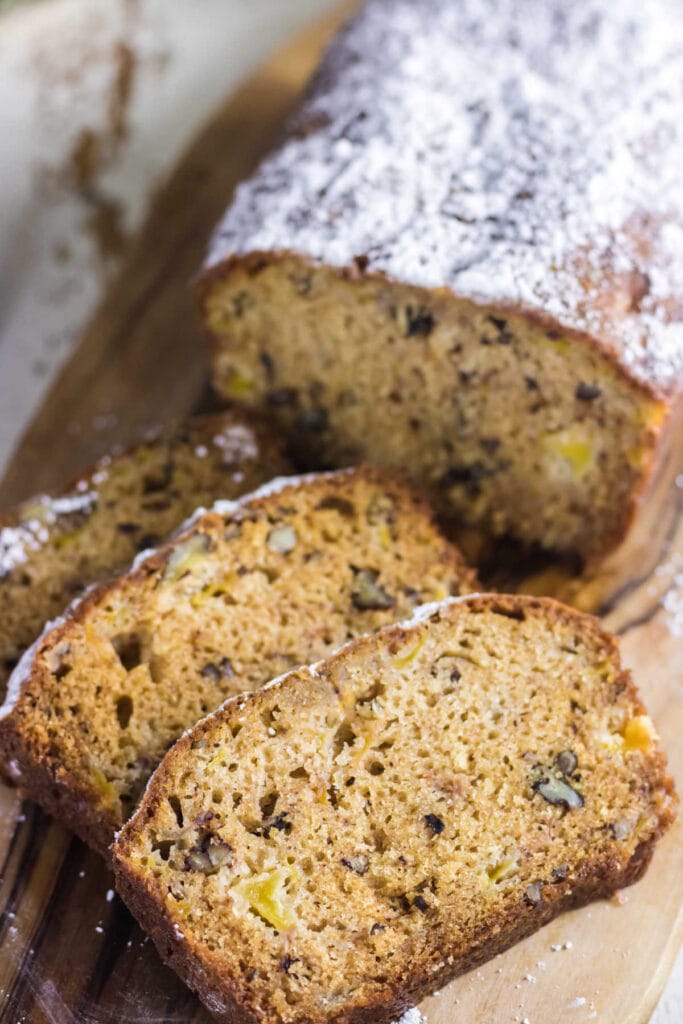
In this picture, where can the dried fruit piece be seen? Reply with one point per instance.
(587, 392)
(267, 896)
(639, 733)
(280, 822)
(367, 594)
(434, 823)
(282, 539)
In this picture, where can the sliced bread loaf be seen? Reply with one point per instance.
(473, 242)
(245, 592)
(53, 545)
(348, 839)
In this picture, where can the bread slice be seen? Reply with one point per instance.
(53, 545)
(248, 590)
(348, 839)
(472, 241)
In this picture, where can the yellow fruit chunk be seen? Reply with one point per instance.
(102, 784)
(576, 451)
(238, 385)
(384, 535)
(267, 895)
(498, 872)
(636, 455)
(404, 660)
(639, 733)
(185, 556)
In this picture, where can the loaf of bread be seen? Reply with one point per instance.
(246, 591)
(465, 259)
(55, 545)
(348, 839)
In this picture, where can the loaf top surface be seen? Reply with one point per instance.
(361, 830)
(523, 153)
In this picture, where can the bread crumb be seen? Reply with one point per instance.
(576, 1003)
(109, 896)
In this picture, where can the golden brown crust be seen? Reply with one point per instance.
(229, 998)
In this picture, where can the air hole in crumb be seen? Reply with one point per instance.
(162, 847)
(376, 768)
(236, 799)
(128, 649)
(235, 729)
(299, 773)
(124, 710)
(177, 809)
(344, 736)
(268, 716)
(267, 804)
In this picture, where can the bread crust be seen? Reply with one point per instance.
(230, 1002)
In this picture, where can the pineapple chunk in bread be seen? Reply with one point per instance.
(54, 545)
(248, 590)
(345, 841)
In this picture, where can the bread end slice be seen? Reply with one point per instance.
(345, 841)
(54, 545)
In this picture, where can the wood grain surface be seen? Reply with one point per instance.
(69, 951)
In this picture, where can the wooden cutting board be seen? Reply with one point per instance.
(69, 951)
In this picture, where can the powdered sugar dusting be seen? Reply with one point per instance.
(32, 531)
(412, 1016)
(516, 151)
(237, 442)
(17, 541)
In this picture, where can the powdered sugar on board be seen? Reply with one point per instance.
(513, 151)
(412, 1016)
